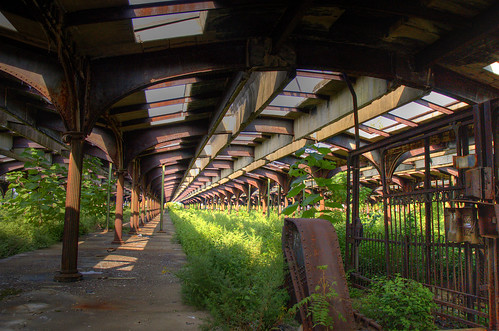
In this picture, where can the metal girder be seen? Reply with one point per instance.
(222, 164)
(6, 167)
(328, 120)
(119, 13)
(400, 120)
(363, 61)
(238, 151)
(180, 116)
(484, 23)
(105, 141)
(412, 153)
(248, 97)
(289, 20)
(253, 182)
(211, 173)
(139, 141)
(150, 162)
(97, 152)
(270, 126)
(15, 115)
(116, 77)
(242, 188)
(276, 177)
(37, 69)
(124, 110)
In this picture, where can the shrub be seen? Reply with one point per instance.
(400, 304)
(235, 267)
(32, 213)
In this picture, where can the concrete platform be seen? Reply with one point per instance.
(127, 287)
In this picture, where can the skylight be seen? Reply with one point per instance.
(493, 68)
(439, 99)
(4, 23)
(168, 26)
(165, 93)
(287, 101)
(303, 84)
(165, 110)
(410, 110)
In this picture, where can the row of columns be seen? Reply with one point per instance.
(142, 212)
(229, 197)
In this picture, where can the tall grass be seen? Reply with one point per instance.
(235, 267)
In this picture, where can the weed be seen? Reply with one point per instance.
(400, 304)
(235, 269)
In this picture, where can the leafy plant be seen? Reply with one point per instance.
(32, 214)
(311, 172)
(400, 304)
(318, 304)
(235, 267)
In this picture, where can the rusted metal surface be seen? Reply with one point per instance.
(307, 244)
(118, 221)
(461, 268)
(69, 259)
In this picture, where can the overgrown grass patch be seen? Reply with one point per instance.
(235, 267)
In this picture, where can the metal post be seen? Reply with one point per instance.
(428, 210)
(268, 197)
(118, 220)
(161, 212)
(109, 177)
(249, 198)
(279, 210)
(69, 261)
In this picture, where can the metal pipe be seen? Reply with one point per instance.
(162, 198)
(109, 177)
(249, 198)
(118, 218)
(268, 197)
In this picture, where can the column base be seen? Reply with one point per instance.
(117, 242)
(161, 231)
(67, 277)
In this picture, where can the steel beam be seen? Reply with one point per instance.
(329, 120)
(244, 105)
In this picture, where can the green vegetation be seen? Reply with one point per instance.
(318, 304)
(236, 267)
(311, 171)
(32, 211)
(400, 304)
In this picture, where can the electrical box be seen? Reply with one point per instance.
(461, 225)
(488, 215)
(479, 183)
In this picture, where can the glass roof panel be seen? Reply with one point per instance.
(379, 122)
(287, 101)
(4, 23)
(363, 134)
(168, 26)
(303, 84)
(493, 68)
(427, 116)
(439, 99)
(410, 110)
(165, 110)
(395, 128)
(165, 93)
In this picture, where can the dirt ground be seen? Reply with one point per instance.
(128, 287)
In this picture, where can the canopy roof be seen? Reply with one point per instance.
(215, 90)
